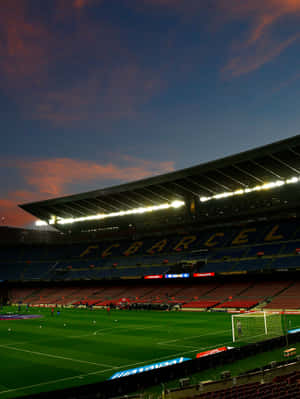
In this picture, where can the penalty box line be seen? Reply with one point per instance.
(191, 337)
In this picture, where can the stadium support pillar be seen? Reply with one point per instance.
(192, 207)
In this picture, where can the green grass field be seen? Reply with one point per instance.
(81, 346)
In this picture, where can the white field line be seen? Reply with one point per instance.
(135, 329)
(92, 333)
(113, 328)
(125, 366)
(102, 332)
(190, 337)
(55, 356)
(249, 339)
(7, 346)
(181, 346)
(3, 386)
(80, 376)
(147, 327)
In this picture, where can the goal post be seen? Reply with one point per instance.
(256, 325)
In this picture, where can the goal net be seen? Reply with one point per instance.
(256, 326)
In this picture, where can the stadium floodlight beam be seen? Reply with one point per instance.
(41, 223)
(175, 204)
(265, 186)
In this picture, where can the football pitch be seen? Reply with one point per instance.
(80, 346)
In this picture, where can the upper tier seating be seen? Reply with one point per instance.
(229, 249)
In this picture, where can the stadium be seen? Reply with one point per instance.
(182, 285)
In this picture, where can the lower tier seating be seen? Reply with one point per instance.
(238, 304)
(245, 295)
(200, 304)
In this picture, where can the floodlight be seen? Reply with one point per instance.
(292, 180)
(265, 186)
(41, 223)
(177, 204)
(174, 204)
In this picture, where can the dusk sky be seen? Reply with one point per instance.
(95, 93)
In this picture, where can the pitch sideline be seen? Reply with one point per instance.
(110, 369)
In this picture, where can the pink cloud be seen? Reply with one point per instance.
(24, 46)
(261, 44)
(52, 176)
(49, 178)
(66, 9)
(11, 214)
(263, 52)
(258, 46)
(30, 49)
(84, 3)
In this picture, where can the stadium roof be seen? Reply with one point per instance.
(276, 161)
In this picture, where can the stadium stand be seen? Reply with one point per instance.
(219, 295)
(49, 262)
(287, 299)
(234, 223)
(200, 304)
(286, 386)
(239, 304)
